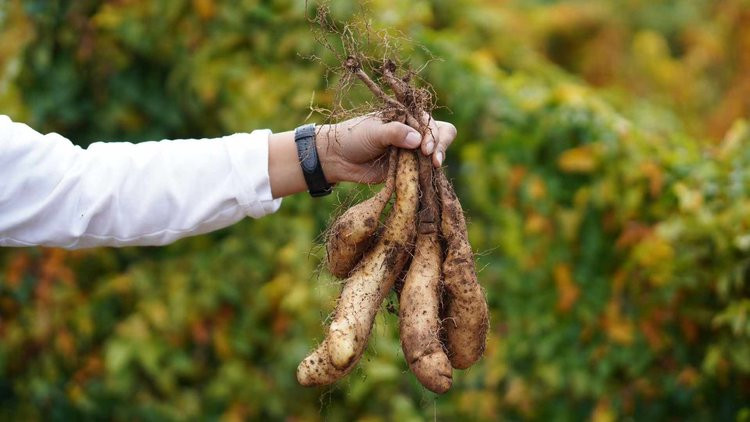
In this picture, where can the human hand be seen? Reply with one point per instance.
(353, 150)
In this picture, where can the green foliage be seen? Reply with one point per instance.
(614, 244)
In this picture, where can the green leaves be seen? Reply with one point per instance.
(611, 241)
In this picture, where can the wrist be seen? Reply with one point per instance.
(284, 170)
(330, 161)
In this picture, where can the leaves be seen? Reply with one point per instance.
(606, 193)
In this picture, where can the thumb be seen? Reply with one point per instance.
(396, 134)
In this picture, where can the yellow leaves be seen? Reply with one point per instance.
(633, 233)
(655, 176)
(275, 290)
(54, 266)
(551, 374)
(655, 254)
(221, 343)
(652, 53)
(156, 312)
(617, 327)
(237, 412)
(93, 367)
(715, 361)
(537, 224)
(689, 377)
(206, 9)
(108, 17)
(496, 353)
(583, 159)
(134, 328)
(517, 173)
(76, 393)
(117, 354)
(567, 289)
(65, 344)
(650, 328)
(20, 262)
(222, 333)
(650, 45)
(603, 412)
(571, 94)
(691, 200)
(569, 222)
(537, 188)
(16, 32)
(737, 136)
(120, 284)
(481, 403)
(518, 395)
(483, 61)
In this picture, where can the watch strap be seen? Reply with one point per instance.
(312, 170)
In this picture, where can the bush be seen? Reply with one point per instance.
(613, 242)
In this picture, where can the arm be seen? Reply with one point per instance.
(117, 194)
(53, 193)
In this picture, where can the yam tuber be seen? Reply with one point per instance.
(367, 286)
(352, 232)
(466, 317)
(419, 302)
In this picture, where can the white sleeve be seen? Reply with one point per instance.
(53, 193)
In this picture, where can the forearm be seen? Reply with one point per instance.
(117, 194)
(284, 171)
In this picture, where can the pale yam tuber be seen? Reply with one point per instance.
(367, 286)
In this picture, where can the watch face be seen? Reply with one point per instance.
(309, 156)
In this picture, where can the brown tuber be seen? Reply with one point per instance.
(352, 232)
(466, 318)
(420, 296)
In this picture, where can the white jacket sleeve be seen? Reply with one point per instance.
(53, 193)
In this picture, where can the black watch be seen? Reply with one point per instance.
(317, 185)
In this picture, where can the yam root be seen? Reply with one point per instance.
(466, 319)
(419, 302)
(352, 232)
(367, 286)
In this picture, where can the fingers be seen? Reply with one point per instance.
(399, 135)
(430, 136)
(436, 140)
(446, 133)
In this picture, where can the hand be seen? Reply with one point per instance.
(353, 150)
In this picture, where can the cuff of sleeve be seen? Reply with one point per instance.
(248, 153)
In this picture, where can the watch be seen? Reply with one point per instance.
(304, 138)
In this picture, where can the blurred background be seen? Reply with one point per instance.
(603, 161)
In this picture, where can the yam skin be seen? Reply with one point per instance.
(367, 286)
(419, 302)
(352, 232)
(465, 310)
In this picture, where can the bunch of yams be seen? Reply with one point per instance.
(442, 309)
